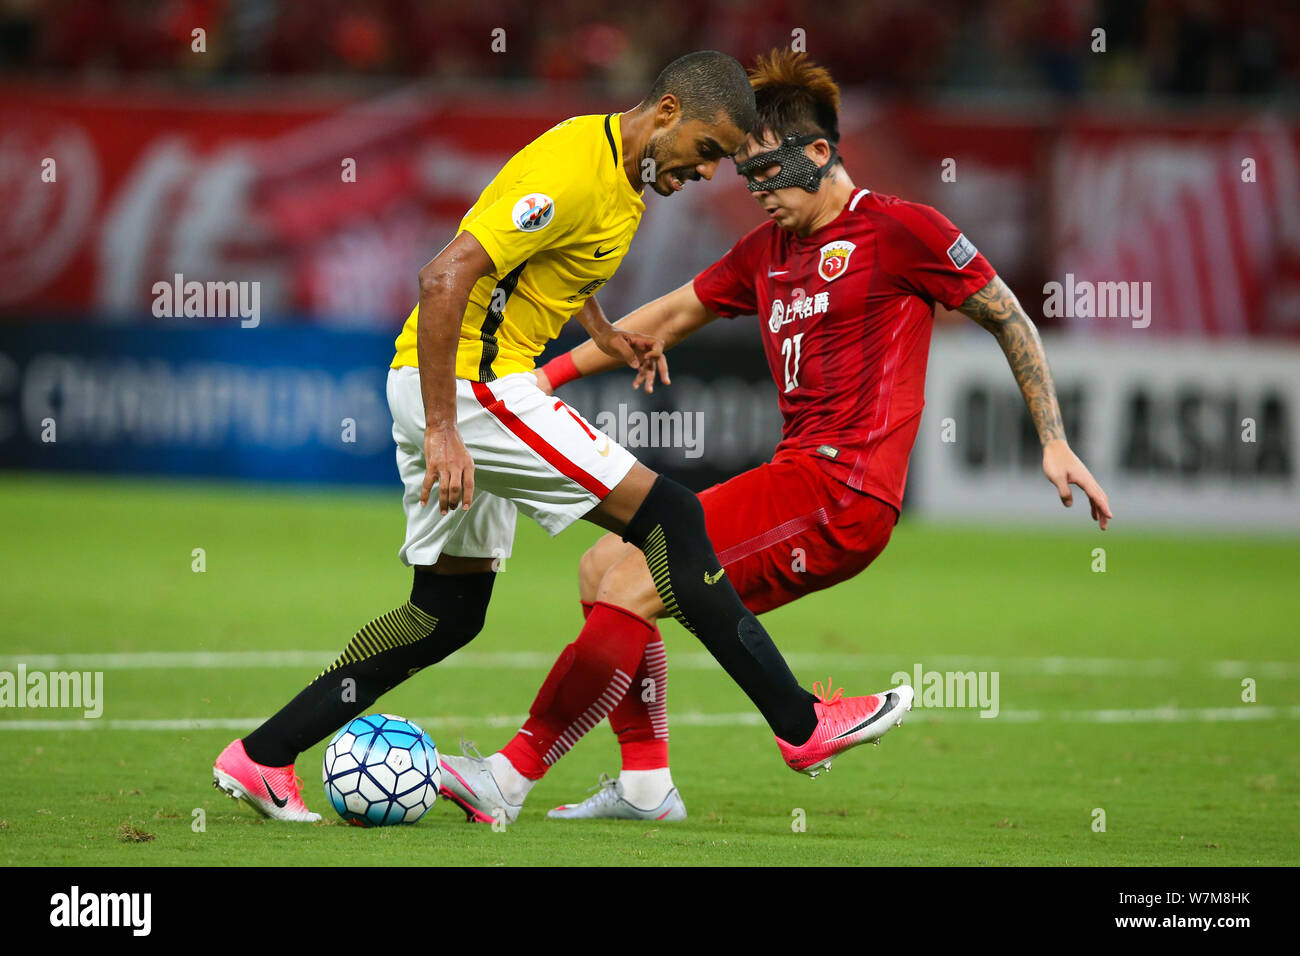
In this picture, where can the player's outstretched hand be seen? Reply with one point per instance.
(641, 352)
(448, 463)
(1063, 468)
(645, 375)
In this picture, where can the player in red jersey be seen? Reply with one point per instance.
(844, 282)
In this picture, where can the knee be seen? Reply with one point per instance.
(628, 585)
(596, 561)
(459, 602)
(670, 508)
(676, 498)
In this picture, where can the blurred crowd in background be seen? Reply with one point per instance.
(1153, 48)
(1130, 167)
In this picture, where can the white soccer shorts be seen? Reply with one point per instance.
(531, 451)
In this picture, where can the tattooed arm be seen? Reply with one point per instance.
(996, 308)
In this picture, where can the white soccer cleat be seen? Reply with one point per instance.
(467, 781)
(608, 803)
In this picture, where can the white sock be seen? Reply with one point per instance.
(646, 789)
(514, 785)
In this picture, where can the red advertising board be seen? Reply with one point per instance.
(333, 203)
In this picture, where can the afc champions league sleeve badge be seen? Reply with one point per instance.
(835, 259)
(535, 211)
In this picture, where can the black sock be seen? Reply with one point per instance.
(444, 613)
(669, 530)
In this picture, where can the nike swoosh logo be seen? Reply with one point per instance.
(603, 452)
(714, 578)
(891, 704)
(780, 272)
(601, 255)
(274, 799)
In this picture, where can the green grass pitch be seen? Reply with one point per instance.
(1119, 692)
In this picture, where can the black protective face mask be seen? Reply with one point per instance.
(796, 168)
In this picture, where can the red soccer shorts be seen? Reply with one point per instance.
(787, 528)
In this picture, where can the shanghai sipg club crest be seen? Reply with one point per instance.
(535, 211)
(835, 259)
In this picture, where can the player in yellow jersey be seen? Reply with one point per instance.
(478, 441)
(554, 225)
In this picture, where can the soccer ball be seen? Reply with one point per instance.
(380, 770)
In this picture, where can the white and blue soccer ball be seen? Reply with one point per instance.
(381, 770)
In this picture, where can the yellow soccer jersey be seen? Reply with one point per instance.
(556, 221)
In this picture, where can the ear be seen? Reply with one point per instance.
(819, 151)
(667, 110)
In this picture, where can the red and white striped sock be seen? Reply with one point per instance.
(641, 722)
(641, 718)
(588, 680)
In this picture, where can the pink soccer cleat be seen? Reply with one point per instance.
(844, 722)
(274, 792)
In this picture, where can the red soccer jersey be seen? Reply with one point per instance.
(846, 319)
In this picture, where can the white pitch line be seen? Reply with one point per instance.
(1158, 715)
(540, 661)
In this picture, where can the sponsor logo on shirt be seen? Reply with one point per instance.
(535, 211)
(802, 306)
(962, 251)
(835, 259)
(588, 289)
